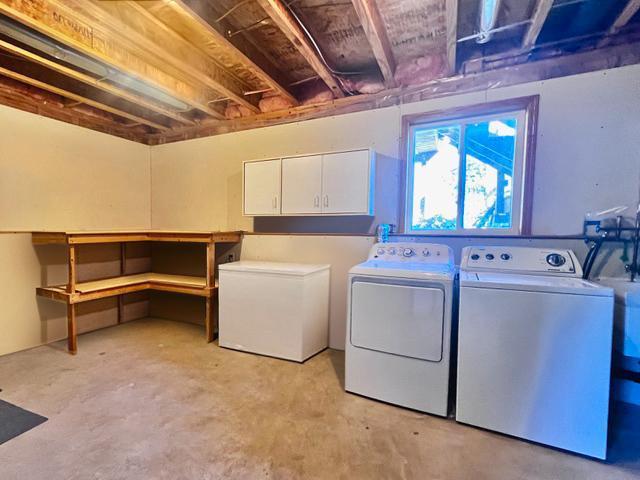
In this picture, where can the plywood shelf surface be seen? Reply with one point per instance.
(88, 237)
(109, 287)
(180, 280)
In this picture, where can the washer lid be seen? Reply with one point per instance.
(297, 269)
(419, 271)
(533, 283)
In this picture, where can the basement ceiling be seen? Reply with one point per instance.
(158, 71)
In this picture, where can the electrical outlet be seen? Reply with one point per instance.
(231, 257)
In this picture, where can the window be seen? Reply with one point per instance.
(468, 171)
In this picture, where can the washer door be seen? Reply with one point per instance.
(399, 319)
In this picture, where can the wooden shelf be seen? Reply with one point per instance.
(87, 237)
(77, 292)
(110, 287)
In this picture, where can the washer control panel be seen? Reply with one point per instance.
(530, 260)
(411, 252)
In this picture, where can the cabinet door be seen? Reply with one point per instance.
(262, 188)
(301, 185)
(346, 181)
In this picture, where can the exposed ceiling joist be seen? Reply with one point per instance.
(11, 73)
(376, 33)
(632, 7)
(172, 51)
(237, 46)
(281, 16)
(540, 13)
(577, 63)
(94, 82)
(452, 34)
(63, 23)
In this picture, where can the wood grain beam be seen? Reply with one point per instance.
(279, 13)
(10, 69)
(64, 23)
(94, 82)
(376, 33)
(452, 34)
(630, 9)
(540, 13)
(238, 47)
(170, 50)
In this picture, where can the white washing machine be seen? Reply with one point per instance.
(399, 326)
(534, 348)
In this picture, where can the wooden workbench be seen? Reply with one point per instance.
(74, 292)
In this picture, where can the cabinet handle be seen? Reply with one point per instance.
(275, 202)
(326, 200)
(316, 201)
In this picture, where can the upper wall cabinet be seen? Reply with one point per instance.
(302, 185)
(338, 183)
(262, 187)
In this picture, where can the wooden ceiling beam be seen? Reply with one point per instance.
(171, 50)
(452, 34)
(630, 9)
(279, 13)
(245, 52)
(540, 13)
(376, 33)
(23, 72)
(94, 82)
(63, 22)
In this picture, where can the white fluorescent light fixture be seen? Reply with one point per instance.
(48, 46)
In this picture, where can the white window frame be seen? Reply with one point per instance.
(522, 172)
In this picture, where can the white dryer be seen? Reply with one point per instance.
(399, 325)
(534, 347)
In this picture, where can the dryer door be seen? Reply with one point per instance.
(403, 320)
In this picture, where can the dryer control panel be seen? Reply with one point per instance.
(528, 260)
(411, 252)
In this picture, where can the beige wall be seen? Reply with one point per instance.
(587, 159)
(58, 176)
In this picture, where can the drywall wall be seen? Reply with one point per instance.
(54, 175)
(587, 159)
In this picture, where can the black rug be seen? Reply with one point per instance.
(15, 421)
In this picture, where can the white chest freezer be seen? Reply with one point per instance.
(275, 309)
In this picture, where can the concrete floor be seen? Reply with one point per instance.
(151, 400)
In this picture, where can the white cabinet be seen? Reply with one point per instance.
(301, 185)
(262, 187)
(346, 183)
(339, 183)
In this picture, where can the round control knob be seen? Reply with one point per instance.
(489, 256)
(556, 260)
(392, 251)
(475, 256)
(380, 251)
(408, 252)
(505, 256)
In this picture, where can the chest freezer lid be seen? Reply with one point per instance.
(295, 269)
(534, 283)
